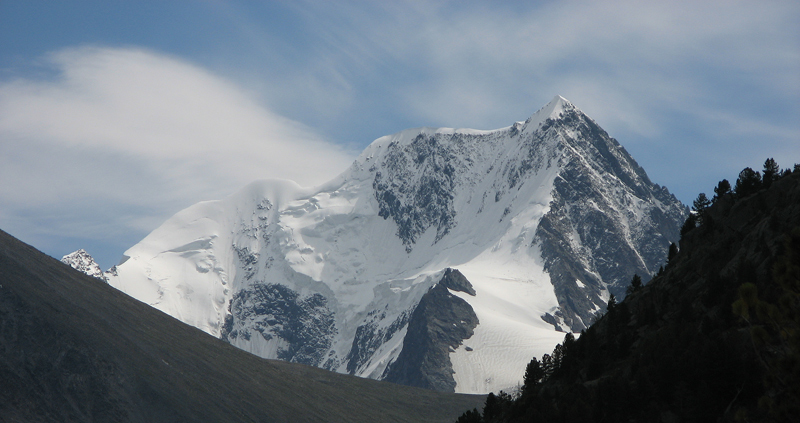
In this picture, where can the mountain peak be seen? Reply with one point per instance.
(561, 103)
(552, 110)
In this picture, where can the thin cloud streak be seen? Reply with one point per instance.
(125, 137)
(483, 44)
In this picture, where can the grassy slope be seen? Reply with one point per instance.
(74, 349)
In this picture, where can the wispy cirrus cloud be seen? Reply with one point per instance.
(676, 82)
(471, 63)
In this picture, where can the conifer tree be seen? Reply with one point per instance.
(723, 188)
(749, 182)
(534, 375)
(636, 284)
(548, 365)
(471, 416)
(771, 172)
(691, 223)
(673, 251)
(491, 408)
(700, 205)
(612, 302)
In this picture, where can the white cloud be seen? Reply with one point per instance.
(122, 138)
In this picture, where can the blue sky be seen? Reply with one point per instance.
(115, 115)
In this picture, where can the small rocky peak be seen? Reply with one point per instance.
(83, 262)
(455, 280)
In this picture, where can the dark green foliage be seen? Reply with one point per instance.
(722, 189)
(547, 365)
(773, 319)
(612, 302)
(771, 172)
(673, 251)
(496, 409)
(749, 182)
(534, 374)
(699, 206)
(636, 282)
(492, 410)
(471, 416)
(701, 203)
(691, 223)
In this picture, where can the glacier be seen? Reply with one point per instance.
(544, 218)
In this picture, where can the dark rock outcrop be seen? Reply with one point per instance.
(437, 326)
(272, 310)
(417, 189)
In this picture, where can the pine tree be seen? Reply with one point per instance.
(612, 302)
(471, 416)
(548, 366)
(691, 223)
(700, 205)
(749, 182)
(775, 330)
(771, 172)
(534, 375)
(723, 188)
(491, 408)
(673, 251)
(636, 284)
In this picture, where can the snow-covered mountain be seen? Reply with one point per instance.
(443, 258)
(83, 262)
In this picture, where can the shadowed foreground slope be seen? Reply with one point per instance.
(75, 349)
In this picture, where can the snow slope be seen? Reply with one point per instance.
(330, 276)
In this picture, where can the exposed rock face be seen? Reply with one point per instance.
(438, 325)
(606, 222)
(370, 337)
(271, 310)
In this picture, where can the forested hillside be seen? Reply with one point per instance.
(713, 337)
